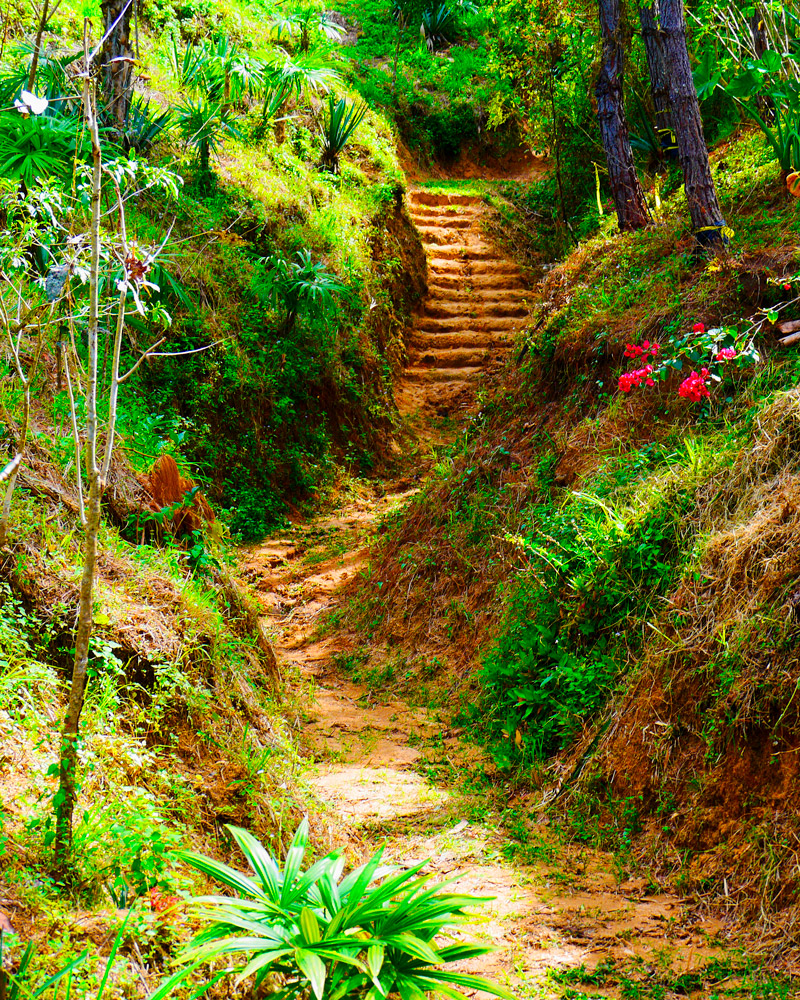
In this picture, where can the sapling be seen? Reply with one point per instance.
(94, 440)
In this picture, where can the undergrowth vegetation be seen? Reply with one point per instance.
(609, 544)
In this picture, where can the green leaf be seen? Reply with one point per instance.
(294, 860)
(262, 863)
(469, 982)
(313, 968)
(309, 926)
(375, 955)
(222, 873)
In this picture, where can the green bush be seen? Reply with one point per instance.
(563, 642)
(369, 933)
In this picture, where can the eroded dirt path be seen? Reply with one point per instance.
(396, 773)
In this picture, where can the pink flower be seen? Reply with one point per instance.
(633, 351)
(698, 328)
(635, 378)
(726, 354)
(694, 387)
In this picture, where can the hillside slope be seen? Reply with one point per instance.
(610, 575)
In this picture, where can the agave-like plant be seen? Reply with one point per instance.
(368, 934)
(204, 125)
(438, 26)
(300, 283)
(343, 119)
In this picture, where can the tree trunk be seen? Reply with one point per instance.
(758, 33)
(118, 58)
(68, 755)
(37, 45)
(68, 758)
(760, 45)
(625, 187)
(701, 195)
(659, 79)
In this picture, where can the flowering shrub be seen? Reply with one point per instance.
(695, 387)
(715, 348)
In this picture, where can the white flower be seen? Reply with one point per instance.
(30, 103)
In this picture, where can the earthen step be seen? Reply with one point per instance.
(439, 309)
(443, 282)
(474, 339)
(422, 374)
(453, 357)
(425, 222)
(429, 198)
(465, 254)
(451, 265)
(478, 298)
(489, 324)
(440, 237)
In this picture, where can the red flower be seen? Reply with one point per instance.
(635, 378)
(694, 387)
(633, 351)
(698, 328)
(787, 287)
(726, 354)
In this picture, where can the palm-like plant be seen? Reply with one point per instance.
(343, 119)
(439, 26)
(368, 934)
(286, 77)
(39, 146)
(205, 125)
(299, 284)
(303, 23)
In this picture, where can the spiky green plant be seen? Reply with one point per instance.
(439, 26)
(343, 119)
(204, 126)
(368, 934)
(300, 283)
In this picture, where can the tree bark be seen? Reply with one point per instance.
(701, 195)
(37, 47)
(659, 78)
(118, 58)
(625, 187)
(68, 758)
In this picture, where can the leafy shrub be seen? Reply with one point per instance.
(370, 933)
(39, 146)
(255, 511)
(299, 285)
(562, 644)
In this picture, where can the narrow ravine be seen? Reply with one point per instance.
(370, 759)
(378, 761)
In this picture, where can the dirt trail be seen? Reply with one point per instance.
(374, 757)
(476, 301)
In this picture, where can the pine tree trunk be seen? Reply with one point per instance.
(659, 79)
(625, 187)
(118, 58)
(701, 195)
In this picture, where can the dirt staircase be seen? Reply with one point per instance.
(476, 302)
